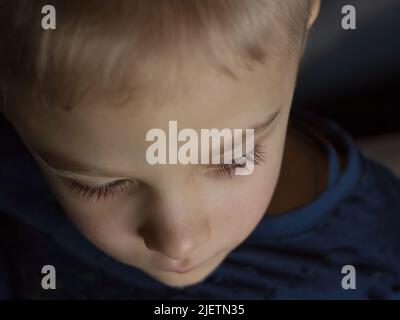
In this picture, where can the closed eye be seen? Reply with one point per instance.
(105, 191)
(227, 170)
(98, 192)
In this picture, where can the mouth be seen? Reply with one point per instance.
(185, 268)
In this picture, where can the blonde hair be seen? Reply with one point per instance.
(112, 46)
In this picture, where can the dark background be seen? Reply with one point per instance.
(352, 76)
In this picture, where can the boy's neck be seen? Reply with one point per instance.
(304, 173)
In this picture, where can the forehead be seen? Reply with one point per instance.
(203, 98)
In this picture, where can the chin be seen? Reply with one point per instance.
(180, 283)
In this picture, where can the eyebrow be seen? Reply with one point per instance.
(66, 166)
(261, 127)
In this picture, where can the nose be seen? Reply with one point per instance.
(176, 238)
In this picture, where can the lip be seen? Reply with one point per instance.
(185, 268)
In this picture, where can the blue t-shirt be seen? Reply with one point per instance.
(300, 254)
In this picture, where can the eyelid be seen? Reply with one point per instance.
(258, 136)
(86, 180)
(97, 192)
(220, 157)
(96, 184)
(257, 155)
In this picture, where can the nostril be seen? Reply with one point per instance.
(148, 245)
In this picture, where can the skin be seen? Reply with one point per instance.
(177, 223)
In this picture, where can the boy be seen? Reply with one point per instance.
(80, 100)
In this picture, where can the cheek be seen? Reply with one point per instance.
(110, 227)
(244, 203)
(105, 224)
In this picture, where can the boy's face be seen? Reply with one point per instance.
(175, 222)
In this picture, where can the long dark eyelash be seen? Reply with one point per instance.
(99, 192)
(226, 170)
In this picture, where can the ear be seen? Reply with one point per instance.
(316, 5)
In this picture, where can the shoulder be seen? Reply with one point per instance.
(378, 188)
(370, 213)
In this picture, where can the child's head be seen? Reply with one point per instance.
(82, 98)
